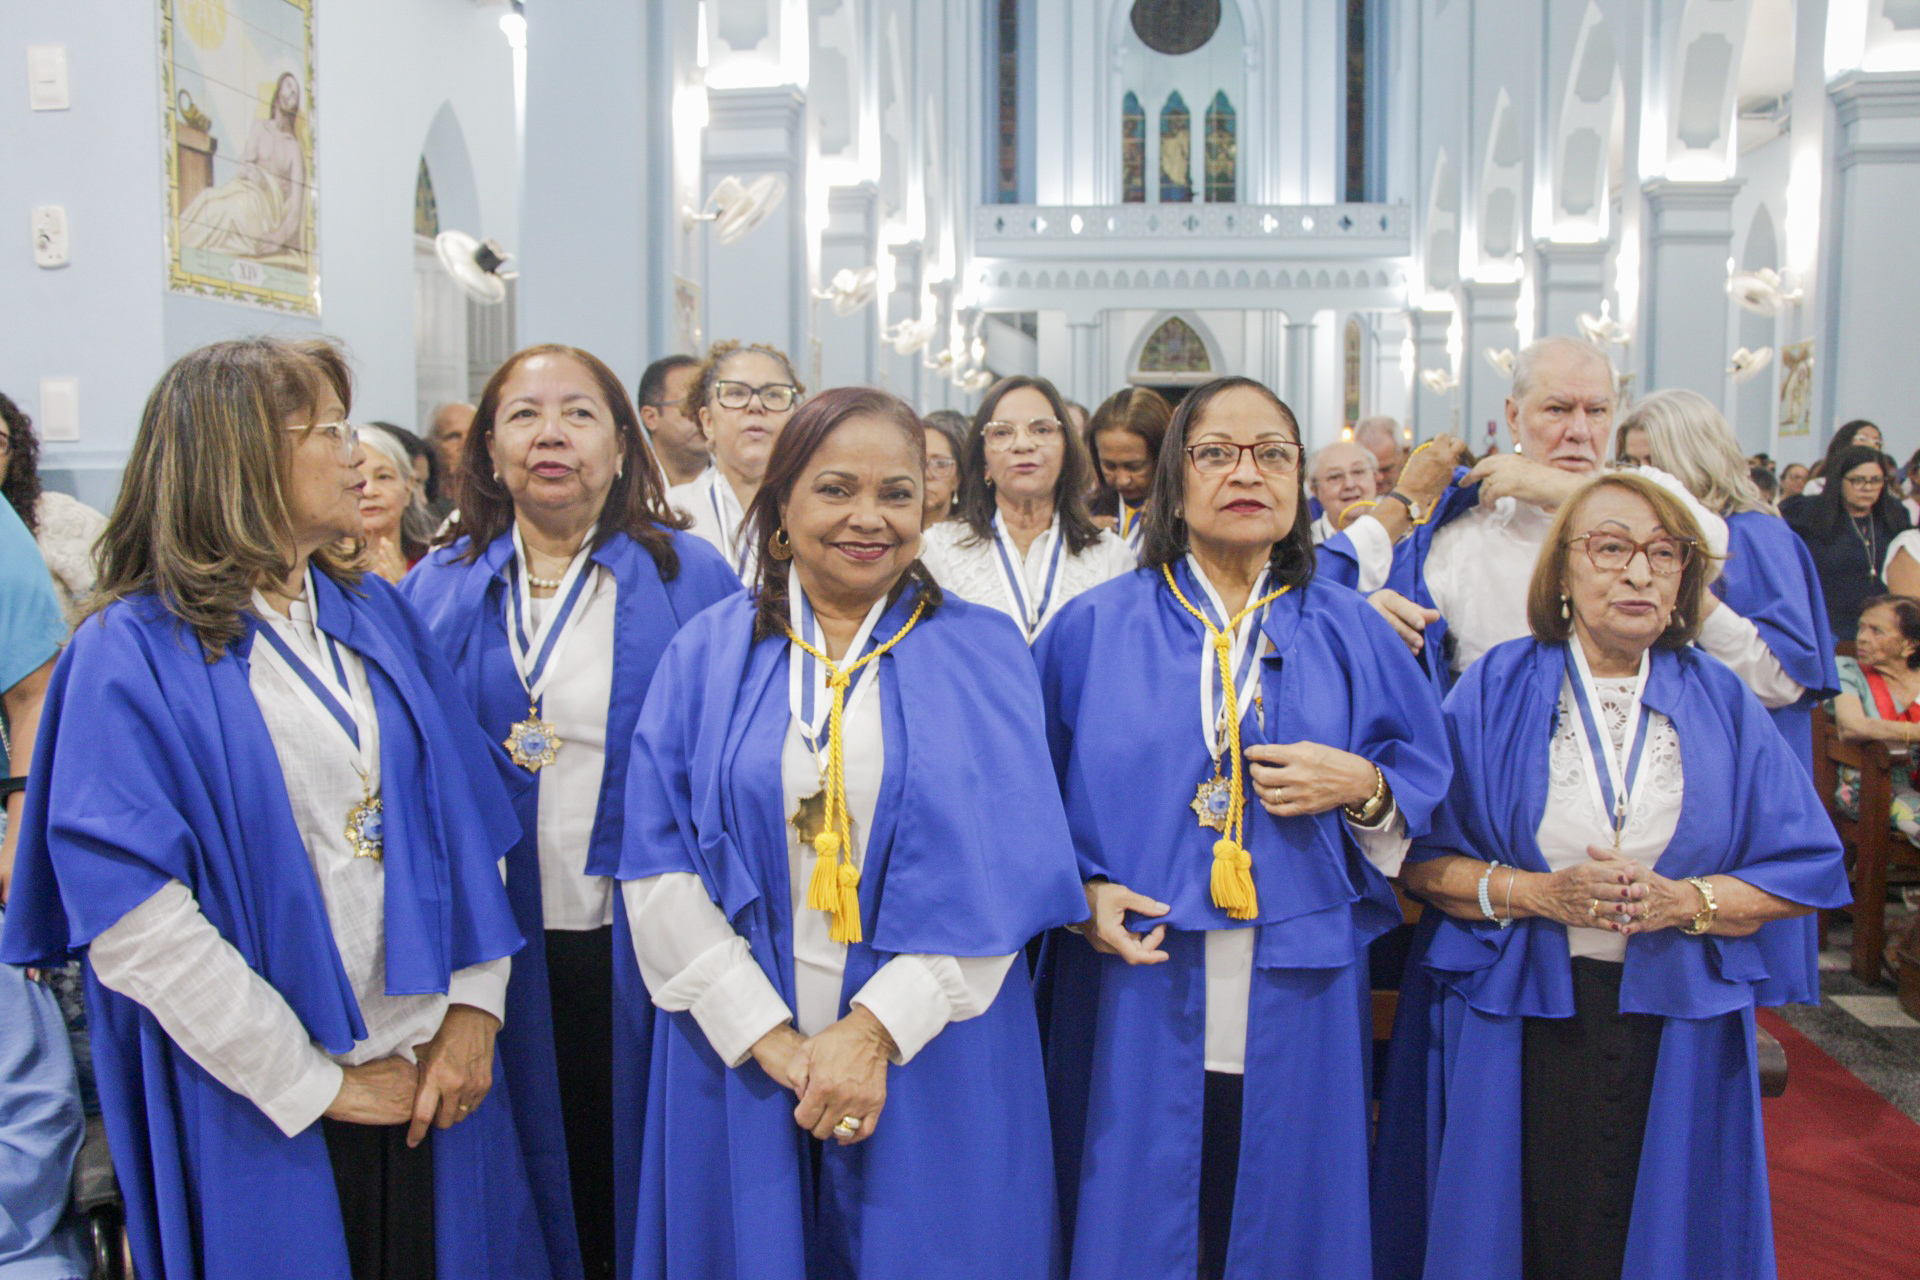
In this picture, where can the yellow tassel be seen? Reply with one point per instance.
(846, 914)
(822, 893)
(1233, 890)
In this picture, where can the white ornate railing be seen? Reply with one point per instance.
(1003, 223)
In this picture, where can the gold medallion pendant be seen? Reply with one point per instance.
(1211, 802)
(366, 829)
(810, 819)
(532, 743)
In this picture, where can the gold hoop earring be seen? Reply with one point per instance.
(779, 546)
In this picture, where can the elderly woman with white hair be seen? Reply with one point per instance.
(396, 527)
(1764, 616)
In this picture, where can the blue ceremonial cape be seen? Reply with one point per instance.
(1769, 580)
(1120, 670)
(968, 856)
(154, 764)
(1448, 1167)
(464, 605)
(1409, 573)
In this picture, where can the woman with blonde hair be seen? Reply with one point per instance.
(1763, 616)
(285, 872)
(1572, 1090)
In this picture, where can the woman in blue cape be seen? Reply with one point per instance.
(1572, 1087)
(566, 577)
(1765, 618)
(1209, 1067)
(841, 831)
(261, 806)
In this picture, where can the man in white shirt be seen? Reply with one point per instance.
(1342, 475)
(678, 444)
(1476, 573)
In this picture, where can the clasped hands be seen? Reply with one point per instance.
(1611, 892)
(837, 1075)
(451, 1077)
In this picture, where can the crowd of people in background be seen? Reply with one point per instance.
(550, 844)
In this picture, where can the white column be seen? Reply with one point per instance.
(756, 288)
(1434, 412)
(1384, 386)
(1868, 352)
(849, 345)
(1491, 321)
(1684, 337)
(1572, 279)
(899, 373)
(1084, 374)
(1298, 392)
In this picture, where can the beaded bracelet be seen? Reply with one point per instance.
(1486, 899)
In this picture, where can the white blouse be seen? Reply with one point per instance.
(1371, 546)
(166, 955)
(710, 502)
(693, 960)
(66, 529)
(969, 567)
(575, 703)
(1573, 820)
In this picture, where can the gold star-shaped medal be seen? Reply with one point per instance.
(810, 819)
(532, 743)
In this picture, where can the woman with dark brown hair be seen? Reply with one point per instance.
(1572, 1089)
(553, 601)
(1123, 440)
(1022, 541)
(845, 1080)
(284, 869)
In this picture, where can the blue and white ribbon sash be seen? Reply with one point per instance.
(1130, 523)
(807, 694)
(320, 680)
(1247, 643)
(1031, 616)
(536, 650)
(1614, 778)
(731, 519)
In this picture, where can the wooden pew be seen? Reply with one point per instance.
(1872, 845)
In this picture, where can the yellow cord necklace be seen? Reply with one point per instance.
(1233, 890)
(835, 884)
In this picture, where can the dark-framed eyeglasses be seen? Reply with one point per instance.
(1612, 552)
(778, 397)
(1865, 483)
(1270, 457)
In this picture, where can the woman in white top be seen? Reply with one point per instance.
(284, 862)
(742, 398)
(1022, 541)
(554, 602)
(844, 1081)
(1624, 819)
(64, 527)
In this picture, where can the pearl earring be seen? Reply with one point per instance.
(1566, 609)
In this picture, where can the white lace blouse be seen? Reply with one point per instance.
(1573, 821)
(969, 567)
(66, 529)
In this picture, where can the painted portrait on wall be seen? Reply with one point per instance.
(238, 82)
(1796, 389)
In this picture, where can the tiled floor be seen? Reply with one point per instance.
(1862, 1027)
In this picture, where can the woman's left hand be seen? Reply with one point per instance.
(1300, 778)
(456, 1070)
(1667, 904)
(846, 1077)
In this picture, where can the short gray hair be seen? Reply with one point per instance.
(383, 442)
(1577, 348)
(1374, 428)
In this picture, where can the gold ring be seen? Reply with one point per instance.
(1593, 912)
(848, 1126)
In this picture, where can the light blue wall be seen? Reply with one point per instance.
(107, 320)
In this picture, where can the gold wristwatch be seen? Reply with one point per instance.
(1709, 908)
(1376, 804)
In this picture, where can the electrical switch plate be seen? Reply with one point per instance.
(50, 236)
(47, 77)
(59, 417)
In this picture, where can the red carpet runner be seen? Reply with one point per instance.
(1845, 1169)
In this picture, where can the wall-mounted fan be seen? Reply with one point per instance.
(974, 380)
(1746, 364)
(1501, 358)
(736, 207)
(475, 265)
(1603, 330)
(1438, 381)
(1761, 292)
(908, 336)
(849, 290)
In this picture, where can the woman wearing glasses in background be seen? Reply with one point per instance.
(742, 399)
(1022, 541)
(1849, 527)
(1214, 1027)
(1588, 975)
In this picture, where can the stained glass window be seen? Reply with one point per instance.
(1007, 50)
(1175, 348)
(1223, 151)
(1176, 151)
(1350, 370)
(1133, 150)
(426, 210)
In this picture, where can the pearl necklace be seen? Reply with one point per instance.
(544, 584)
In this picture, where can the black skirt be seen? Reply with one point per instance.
(386, 1199)
(580, 981)
(1585, 1085)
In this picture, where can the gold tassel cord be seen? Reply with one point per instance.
(834, 886)
(1232, 880)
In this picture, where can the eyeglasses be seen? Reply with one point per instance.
(344, 433)
(777, 397)
(1612, 552)
(1270, 457)
(1864, 483)
(1000, 434)
(940, 466)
